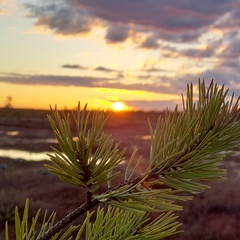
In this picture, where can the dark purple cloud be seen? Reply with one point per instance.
(150, 42)
(176, 21)
(232, 50)
(62, 17)
(117, 33)
(199, 53)
(232, 64)
(219, 75)
(230, 20)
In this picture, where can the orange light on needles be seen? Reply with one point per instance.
(118, 106)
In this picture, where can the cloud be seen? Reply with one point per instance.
(175, 21)
(103, 69)
(229, 20)
(151, 42)
(56, 80)
(153, 69)
(200, 53)
(159, 86)
(233, 64)
(207, 31)
(53, 80)
(61, 17)
(99, 68)
(73, 66)
(232, 50)
(153, 105)
(117, 33)
(230, 79)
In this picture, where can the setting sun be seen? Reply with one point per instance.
(118, 106)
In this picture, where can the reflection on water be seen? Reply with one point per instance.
(18, 154)
(29, 156)
(13, 133)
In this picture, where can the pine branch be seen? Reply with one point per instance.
(87, 206)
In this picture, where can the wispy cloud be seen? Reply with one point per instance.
(162, 86)
(153, 69)
(55, 80)
(153, 105)
(103, 69)
(99, 68)
(73, 66)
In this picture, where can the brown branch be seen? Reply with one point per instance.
(88, 205)
(85, 168)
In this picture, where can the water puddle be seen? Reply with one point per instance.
(29, 156)
(25, 155)
(12, 133)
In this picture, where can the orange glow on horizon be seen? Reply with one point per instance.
(28, 96)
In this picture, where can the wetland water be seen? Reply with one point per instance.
(25, 155)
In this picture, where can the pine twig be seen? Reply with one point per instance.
(88, 205)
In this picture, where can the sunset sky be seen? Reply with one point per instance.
(138, 52)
